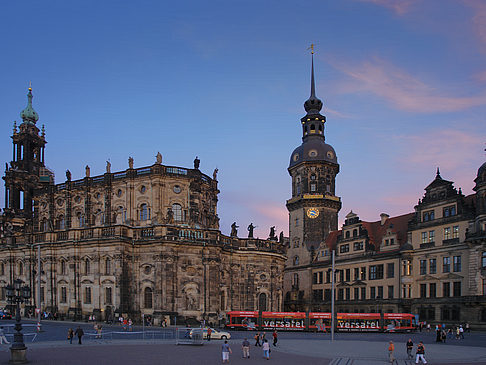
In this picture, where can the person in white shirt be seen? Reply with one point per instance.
(266, 349)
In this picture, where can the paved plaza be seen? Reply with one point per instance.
(157, 346)
(288, 351)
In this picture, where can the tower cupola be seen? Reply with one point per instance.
(29, 115)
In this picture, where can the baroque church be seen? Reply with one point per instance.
(142, 241)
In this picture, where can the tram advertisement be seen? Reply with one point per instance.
(358, 322)
(283, 321)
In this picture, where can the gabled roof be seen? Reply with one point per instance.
(376, 231)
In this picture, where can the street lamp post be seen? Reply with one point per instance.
(17, 294)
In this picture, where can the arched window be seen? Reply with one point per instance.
(87, 266)
(60, 222)
(21, 268)
(348, 234)
(296, 260)
(296, 280)
(63, 267)
(177, 210)
(262, 302)
(147, 298)
(44, 224)
(144, 212)
(107, 266)
(80, 219)
(313, 128)
(298, 188)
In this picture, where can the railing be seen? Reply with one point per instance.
(62, 236)
(427, 245)
(451, 241)
(108, 232)
(147, 232)
(86, 233)
(144, 171)
(176, 170)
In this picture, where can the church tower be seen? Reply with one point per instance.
(313, 208)
(26, 171)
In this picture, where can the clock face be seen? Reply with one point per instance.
(313, 213)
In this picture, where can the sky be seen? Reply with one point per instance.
(403, 85)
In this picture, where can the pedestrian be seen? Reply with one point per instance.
(263, 337)
(461, 331)
(468, 329)
(275, 337)
(457, 333)
(438, 335)
(450, 334)
(79, 332)
(391, 349)
(130, 323)
(420, 353)
(209, 334)
(99, 330)
(420, 326)
(226, 351)
(266, 349)
(70, 335)
(428, 327)
(257, 339)
(409, 348)
(245, 347)
(2, 336)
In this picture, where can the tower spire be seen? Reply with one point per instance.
(312, 105)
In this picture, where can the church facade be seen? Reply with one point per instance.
(143, 241)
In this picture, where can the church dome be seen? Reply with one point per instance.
(313, 150)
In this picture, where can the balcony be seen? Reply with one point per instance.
(451, 241)
(427, 244)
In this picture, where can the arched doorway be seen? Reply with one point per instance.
(262, 302)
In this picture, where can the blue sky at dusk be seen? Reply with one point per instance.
(403, 85)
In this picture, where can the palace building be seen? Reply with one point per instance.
(431, 262)
(143, 241)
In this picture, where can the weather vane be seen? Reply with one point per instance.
(30, 85)
(311, 48)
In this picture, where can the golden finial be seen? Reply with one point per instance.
(311, 48)
(30, 85)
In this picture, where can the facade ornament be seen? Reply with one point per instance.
(130, 162)
(15, 127)
(196, 163)
(108, 167)
(234, 230)
(215, 174)
(170, 215)
(87, 170)
(158, 158)
(281, 237)
(68, 175)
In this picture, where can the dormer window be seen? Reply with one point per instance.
(428, 216)
(344, 248)
(449, 211)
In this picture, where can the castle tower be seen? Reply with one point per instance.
(313, 208)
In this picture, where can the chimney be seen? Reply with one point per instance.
(384, 217)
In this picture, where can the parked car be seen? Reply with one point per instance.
(215, 334)
(5, 315)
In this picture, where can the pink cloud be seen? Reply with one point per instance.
(400, 88)
(454, 152)
(337, 113)
(479, 18)
(400, 7)
(481, 76)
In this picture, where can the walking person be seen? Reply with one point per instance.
(266, 349)
(245, 347)
(263, 337)
(226, 351)
(461, 331)
(70, 335)
(99, 330)
(257, 339)
(409, 348)
(420, 353)
(391, 349)
(80, 333)
(275, 338)
(2, 336)
(209, 334)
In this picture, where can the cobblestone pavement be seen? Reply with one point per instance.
(208, 354)
(289, 351)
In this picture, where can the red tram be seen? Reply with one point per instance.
(313, 321)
